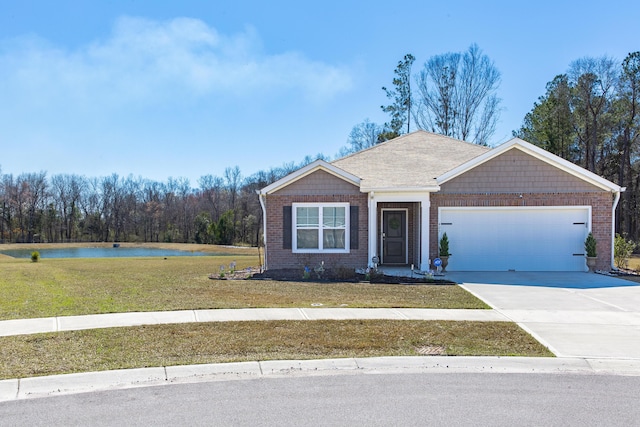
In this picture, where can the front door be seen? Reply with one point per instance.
(394, 237)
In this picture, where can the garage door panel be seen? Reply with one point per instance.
(524, 239)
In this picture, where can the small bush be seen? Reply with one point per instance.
(376, 276)
(344, 273)
(622, 250)
(444, 245)
(35, 256)
(590, 246)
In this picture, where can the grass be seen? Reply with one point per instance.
(59, 287)
(634, 265)
(167, 345)
(62, 287)
(634, 262)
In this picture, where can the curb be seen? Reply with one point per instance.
(57, 385)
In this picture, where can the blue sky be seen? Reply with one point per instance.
(186, 88)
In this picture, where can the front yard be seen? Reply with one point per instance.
(65, 287)
(61, 287)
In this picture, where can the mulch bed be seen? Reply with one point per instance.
(330, 276)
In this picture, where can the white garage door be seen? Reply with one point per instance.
(517, 238)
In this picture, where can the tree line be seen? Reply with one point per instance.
(590, 115)
(73, 208)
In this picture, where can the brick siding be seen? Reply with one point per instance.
(284, 258)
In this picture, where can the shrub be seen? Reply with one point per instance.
(343, 273)
(622, 250)
(35, 256)
(590, 246)
(444, 245)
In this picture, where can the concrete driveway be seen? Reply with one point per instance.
(574, 314)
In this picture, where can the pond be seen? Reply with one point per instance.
(119, 252)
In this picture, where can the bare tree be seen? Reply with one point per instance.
(363, 135)
(233, 180)
(90, 206)
(594, 81)
(68, 190)
(458, 96)
(211, 189)
(32, 189)
(9, 206)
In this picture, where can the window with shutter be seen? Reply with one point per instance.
(320, 227)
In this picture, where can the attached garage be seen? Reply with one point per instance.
(511, 207)
(515, 238)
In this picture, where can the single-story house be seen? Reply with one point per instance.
(512, 207)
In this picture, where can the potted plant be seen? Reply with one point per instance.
(443, 251)
(590, 249)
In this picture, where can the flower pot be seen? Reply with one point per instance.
(591, 263)
(445, 262)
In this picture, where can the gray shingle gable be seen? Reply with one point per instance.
(410, 161)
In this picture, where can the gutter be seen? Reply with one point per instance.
(613, 224)
(261, 197)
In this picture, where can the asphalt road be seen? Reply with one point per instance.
(352, 399)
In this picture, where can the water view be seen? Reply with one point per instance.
(114, 252)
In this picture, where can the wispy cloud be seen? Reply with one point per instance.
(144, 62)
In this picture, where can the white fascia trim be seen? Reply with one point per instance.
(308, 169)
(540, 154)
(397, 196)
(403, 190)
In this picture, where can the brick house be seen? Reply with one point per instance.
(512, 207)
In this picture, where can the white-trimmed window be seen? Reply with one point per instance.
(320, 227)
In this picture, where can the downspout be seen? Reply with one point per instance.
(369, 262)
(613, 224)
(261, 197)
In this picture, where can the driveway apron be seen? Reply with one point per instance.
(573, 314)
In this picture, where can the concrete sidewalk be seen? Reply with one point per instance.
(57, 385)
(114, 320)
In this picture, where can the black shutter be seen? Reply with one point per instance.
(286, 227)
(353, 225)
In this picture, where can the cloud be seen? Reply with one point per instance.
(145, 62)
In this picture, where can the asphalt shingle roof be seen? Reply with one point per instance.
(413, 160)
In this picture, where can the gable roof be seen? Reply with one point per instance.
(309, 169)
(409, 162)
(537, 152)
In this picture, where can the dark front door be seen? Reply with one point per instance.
(394, 237)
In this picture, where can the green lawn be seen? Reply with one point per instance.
(62, 287)
(166, 345)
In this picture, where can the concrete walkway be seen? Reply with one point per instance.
(114, 320)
